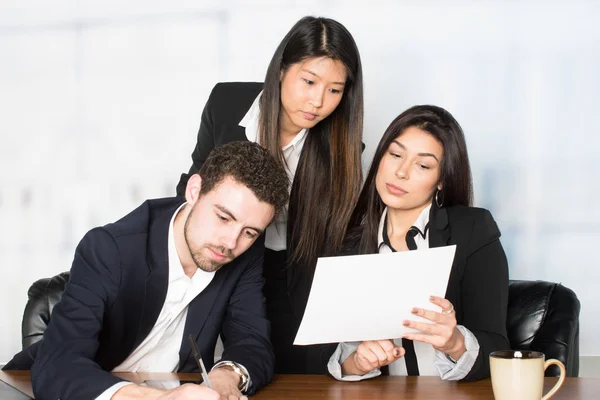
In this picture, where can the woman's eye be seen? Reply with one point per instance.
(335, 91)
(222, 218)
(423, 166)
(396, 155)
(309, 82)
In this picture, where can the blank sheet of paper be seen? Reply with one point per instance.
(366, 297)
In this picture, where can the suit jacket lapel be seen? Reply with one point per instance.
(157, 281)
(198, 311)
(439, 234)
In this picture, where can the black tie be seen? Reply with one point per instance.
(410, 238)
(410, 357)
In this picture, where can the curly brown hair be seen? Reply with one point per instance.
(251, 165)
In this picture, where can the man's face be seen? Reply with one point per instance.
(224, 223)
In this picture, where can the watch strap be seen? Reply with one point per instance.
(239, 370)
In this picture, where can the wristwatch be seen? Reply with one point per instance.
(239, 370)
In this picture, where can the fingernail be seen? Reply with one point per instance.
(405, 323)
(396, 352)
(414, 310)
(432, 298)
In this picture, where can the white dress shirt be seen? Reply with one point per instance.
(275, 235)
(159, 351)
(431, 362)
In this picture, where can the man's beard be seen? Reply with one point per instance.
(202, 262)
(205, 263)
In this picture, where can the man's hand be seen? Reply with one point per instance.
(189, 391)
(226, 382)
(224, 387)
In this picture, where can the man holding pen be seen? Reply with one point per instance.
(172, 268)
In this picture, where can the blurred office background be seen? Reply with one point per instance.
(101, 102)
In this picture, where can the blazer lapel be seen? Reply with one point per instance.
(439, 234)
(198, 311)
(157, 281)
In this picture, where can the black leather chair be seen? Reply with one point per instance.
(544, 316)
(43, 296)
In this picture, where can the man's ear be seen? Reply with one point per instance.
(192, 190)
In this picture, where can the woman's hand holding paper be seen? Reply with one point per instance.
(442, 334)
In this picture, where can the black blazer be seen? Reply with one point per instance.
(478, 282)
(226, 106)
(118, 285)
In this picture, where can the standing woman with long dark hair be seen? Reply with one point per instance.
(309, 115)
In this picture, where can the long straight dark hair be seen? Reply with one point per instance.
(329, 173)
(455, 176)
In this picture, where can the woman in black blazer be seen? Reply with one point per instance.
(418, 195)
(309, 114)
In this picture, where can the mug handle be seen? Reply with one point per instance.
(561, 378)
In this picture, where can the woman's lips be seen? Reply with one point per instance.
(309, 116)
(396, 190)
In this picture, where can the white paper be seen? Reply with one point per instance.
(366, 297)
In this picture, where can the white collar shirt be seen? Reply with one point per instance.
(275, 235)
(159, 351)
(421, 240)
(425, 352)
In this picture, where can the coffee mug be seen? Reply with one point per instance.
(519, 374)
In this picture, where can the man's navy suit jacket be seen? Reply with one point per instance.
(116, 291)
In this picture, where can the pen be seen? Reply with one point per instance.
(200, 363)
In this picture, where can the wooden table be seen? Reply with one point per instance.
(387, 387)
(408, 388)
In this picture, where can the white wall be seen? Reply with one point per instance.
(101, 103)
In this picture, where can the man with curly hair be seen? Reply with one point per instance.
(172, 268)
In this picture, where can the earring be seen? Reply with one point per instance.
(437, 199)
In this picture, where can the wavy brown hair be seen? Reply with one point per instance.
(329, 173)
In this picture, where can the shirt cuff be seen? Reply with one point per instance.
(248, 383)
(343, 351)
(450, 370)
(109, 393)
